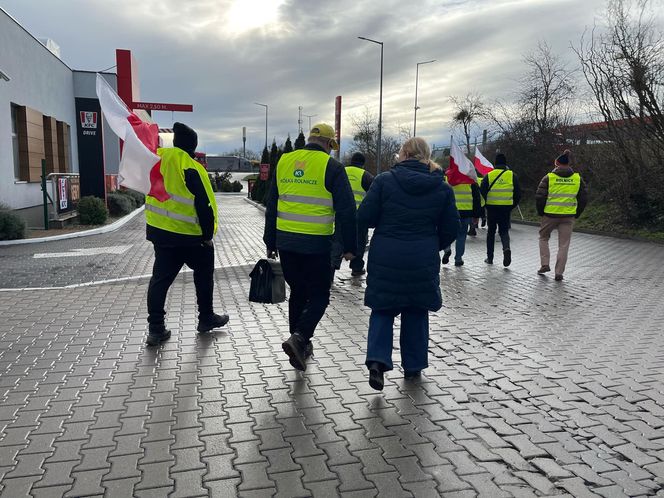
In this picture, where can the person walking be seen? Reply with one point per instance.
(412, 210)
(360, 181)
(560, 199)
(469, 205)
(181, 230)
(309, 191)
(500, 188)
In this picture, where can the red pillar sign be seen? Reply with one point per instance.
(337, 122)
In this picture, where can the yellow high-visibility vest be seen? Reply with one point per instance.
(562, 194)
(305, 205)
(463, 195)
(355, 175)
(502, 192)
(178, 214)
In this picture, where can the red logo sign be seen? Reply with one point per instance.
(265, 170)
(88, 119)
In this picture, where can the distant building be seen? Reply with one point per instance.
(228, 163)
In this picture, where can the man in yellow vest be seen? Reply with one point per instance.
(468, 202)
(310, 192)
(181, 229)
(561, 198)
(360, 181)
(500, 188)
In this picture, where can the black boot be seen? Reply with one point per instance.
(209, 322)
(296, 349)
(376, 380)
(157, 334)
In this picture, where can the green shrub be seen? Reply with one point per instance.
(120, 204)
(226, 186)
(92, 211)
(12, 226)
(237, 186)
(213, 182)
(134, 195)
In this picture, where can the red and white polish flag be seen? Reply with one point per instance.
(140, 164)
(461, 170)
(482, 164)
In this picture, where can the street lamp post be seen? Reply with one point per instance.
(380, 103)
(417, 75)
(309, 116)
(264, 105)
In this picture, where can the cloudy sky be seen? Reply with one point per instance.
(224, 55)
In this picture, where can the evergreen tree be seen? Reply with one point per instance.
(260, 188)
(288, 146)
(300, 141)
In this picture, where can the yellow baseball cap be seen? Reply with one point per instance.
(325, 131)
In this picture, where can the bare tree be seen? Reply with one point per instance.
(467, 111)
(623, 63)
(547, 90)
(365, 139)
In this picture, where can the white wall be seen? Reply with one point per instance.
(38, 80)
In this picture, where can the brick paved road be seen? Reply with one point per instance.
(536, 387)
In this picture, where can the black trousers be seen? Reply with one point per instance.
(498, 217)
(309, 277)
(168, 261)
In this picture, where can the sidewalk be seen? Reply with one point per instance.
(535, 387)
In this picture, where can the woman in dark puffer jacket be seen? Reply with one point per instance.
(414, 215)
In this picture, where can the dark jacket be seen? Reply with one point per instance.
(414, 216)
(336, 182)
(543, 192)
(367, 180)
(204, 212)
(484, 189)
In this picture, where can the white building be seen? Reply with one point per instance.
(48, 111)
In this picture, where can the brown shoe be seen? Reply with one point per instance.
(543, 269)
(559, 277)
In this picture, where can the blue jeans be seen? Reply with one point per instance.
(413, 339)
(460, 246)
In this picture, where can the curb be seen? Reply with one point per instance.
(95, 231)
(255, 204)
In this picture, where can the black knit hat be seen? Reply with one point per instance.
(563, 159)
(500, 160)
(357, 159)
(185, 138)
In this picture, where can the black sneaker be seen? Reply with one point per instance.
(472, 231)
(488, 261)
(483, 222)
(412, 374)
(296, 349)
(213, 321)
(458, 263)
(446, 257)
(376, 380)
(358, 273)
(507, 257)
(157, 336)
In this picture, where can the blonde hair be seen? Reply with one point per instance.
(417, 148)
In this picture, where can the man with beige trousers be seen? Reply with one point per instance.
(561, 198)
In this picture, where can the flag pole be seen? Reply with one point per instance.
(518, 207)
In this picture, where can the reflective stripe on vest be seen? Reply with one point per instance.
(355, 175)
(502, 192)
(304, 205)
(463, 195)
(562, 194)
(178, 213)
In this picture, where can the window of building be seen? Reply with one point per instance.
(17, 169)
